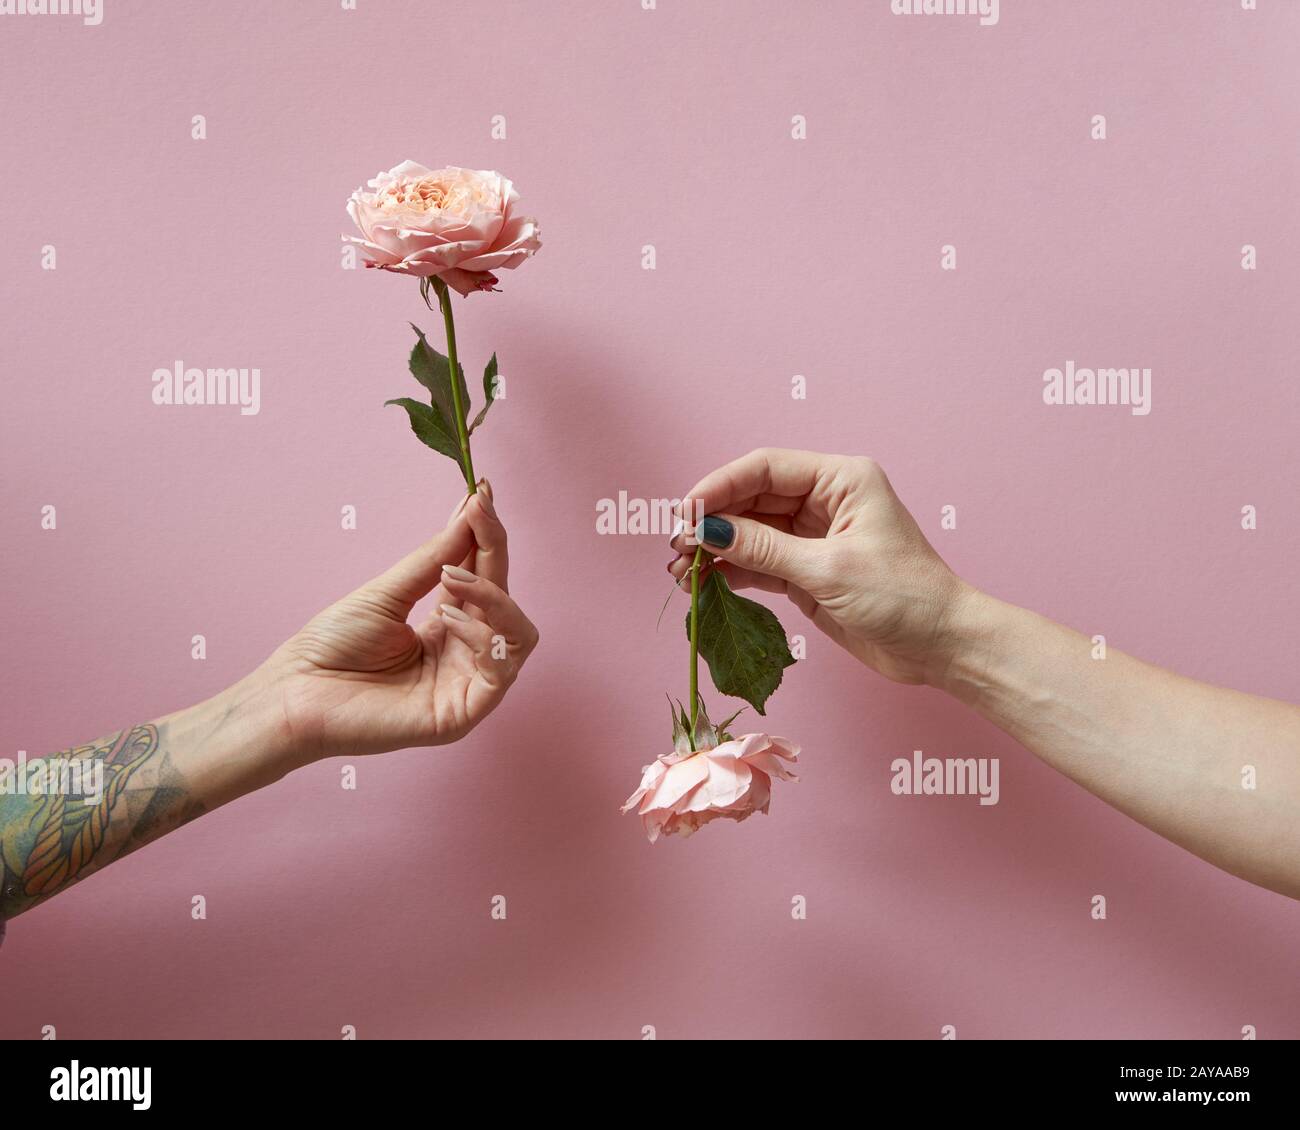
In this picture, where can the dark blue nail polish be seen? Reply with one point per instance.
(717, 532)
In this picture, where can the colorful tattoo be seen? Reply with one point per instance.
(50, 837)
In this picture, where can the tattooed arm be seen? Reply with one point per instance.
(357, 679)
(83, 808)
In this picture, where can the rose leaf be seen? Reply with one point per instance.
(431, 427)
(742, 641)
(433, 370)
(489, 392)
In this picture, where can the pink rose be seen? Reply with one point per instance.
(456, 224)
(682, 791)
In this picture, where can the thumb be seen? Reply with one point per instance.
(415, 574)
(758, 547)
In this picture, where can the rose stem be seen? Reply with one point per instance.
(467, 461)
(695, 639)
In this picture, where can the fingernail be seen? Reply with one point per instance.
(673, 562)
(485, 495)
(687, 532)
(451, 612)
(717, 532)
(459, 574)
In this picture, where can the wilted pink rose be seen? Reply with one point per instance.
(457, 224)
(682, 791)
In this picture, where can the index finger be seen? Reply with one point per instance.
(492, 555)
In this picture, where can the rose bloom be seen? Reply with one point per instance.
(458, 225)
(683, 791)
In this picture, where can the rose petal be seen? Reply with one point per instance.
(467, 282)
(651, 775)
(375, 254)
(784, 747)
(728, 782)
(766, 761)
(678, 783)
(760, 792)
(407, 170)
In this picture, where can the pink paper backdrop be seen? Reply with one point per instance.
(775, 257)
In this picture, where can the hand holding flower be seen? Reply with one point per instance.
(358, 678)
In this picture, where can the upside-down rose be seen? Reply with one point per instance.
(458, 225)
(683, 791)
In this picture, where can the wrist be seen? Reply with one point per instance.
(245, 727)
(258, 704)
(970, 633)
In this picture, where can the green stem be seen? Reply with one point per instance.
(466, 460)
(695, 639)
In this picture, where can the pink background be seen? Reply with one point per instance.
(775, 257)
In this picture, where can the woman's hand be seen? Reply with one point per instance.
(357, 679)
(830, 533)
(360, 679)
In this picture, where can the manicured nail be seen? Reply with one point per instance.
(717, 532)
(673, 562)
(458, 574)
(451, 612)
(485, 494)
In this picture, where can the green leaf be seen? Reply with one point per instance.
(428, 366)
(433, 370)
(742, 642)
(489, 392)
(431, 427)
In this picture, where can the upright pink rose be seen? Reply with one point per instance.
(456, 224)
(683, 791)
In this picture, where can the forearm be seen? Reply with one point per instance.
(140, 783)
(1170, 752)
